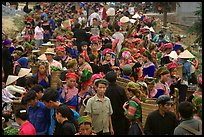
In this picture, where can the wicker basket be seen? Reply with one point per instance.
(123, 83)
(147, 107)
(55, 79)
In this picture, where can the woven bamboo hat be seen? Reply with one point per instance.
(124, 19)
(23, 72)
(48, 44)
(50, 51)
(11, 79)
(186, 54)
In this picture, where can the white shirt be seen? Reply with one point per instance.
(120, 36)
(38, 33)
(13, 89)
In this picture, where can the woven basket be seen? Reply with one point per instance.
(55, 79)
(147, 107)
(123, 83)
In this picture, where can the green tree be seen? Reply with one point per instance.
(197, 26)
(164, 7)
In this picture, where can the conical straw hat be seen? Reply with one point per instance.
(186, 54)
(11, 79)
(23, 72)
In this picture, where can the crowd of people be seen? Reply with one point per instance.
(92, 45)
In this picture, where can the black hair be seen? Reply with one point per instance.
(77, 25)
(111, 76)
(84, 43)
(95, 19)
(185, 109)
(66, 112)
(117, 27)
(21, 113)
(30, 95)
(23, 101)
(30, 81)
(37, 88)
(50, 94)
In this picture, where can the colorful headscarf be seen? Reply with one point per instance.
(134, 87)
(197, 102)
(106, 50)
(86, 75)
(96, 76)
(72, 75)
(162, 71)
(60, 48)
(200, 79)
(84, 119)
(126, 54)
(71, 63)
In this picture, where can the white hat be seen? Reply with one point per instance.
(11, 79)
(48, 44)
(146, 27)
(124, 19)
(186, 54)
(23, 72)
(110, 12)
(136, 16)
(132, 20)
(42, 57)
(173, 55)
(50, 51)
(151, 29)
(35, 51)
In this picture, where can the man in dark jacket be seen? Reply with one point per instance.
(161, 121)
(117, 96)
(7, 62)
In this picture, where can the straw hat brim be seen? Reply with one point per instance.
(173, 55)
(11, 79)
(23, 72)
(42, 57)
(124, 19)
(186, 54)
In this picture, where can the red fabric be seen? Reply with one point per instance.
(60, 48)
(72, 75)
(114, 44)
(104, 15)
(196, 63)
(27, 129)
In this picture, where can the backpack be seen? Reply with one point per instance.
(191, 130)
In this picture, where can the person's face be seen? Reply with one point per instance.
(101, 89)
(166, 108)
(94, 46)
(173, 72)
(71, 82)
(108, 57)
(39, 95)
(48, 104)
(60, 53)
(58, 117)
(85, 129)
(176, 39)
(49, 57)
(42, 69)
(165, 77)
(84, 47)
(32, 102)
